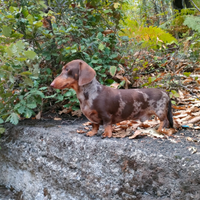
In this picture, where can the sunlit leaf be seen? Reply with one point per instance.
(30, 54)
(113, 70)
(14, 118)
(6, 31)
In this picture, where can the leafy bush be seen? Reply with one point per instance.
(37, 39)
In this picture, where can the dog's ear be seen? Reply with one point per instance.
(86, 74)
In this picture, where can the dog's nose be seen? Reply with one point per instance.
(52, 84)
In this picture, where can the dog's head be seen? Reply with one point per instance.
(74, 74)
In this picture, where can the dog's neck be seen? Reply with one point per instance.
(89, 91)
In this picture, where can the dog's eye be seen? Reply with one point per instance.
(67, 70)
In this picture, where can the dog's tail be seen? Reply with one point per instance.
(169, 114)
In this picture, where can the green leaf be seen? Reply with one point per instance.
(173, 102)
(101, 46)
(151, 79)
(26, 73)
(14, 118)
(25, 12)
(9, 51)
(100, 36)
(116, 5)
(175, 93)
(121, 84)
(20, 45)
(11, 78)
(30, 54)
(114, 55)
(31, 105)
(38, 24)
(113, 70)
(28, 113)
(11, 9)
(1, 121)
(28, 81)
(68, 94)
(21, 109)
(30, 19)
(43, 88)
(21, 59)
(2, 130)
(6, 31)
(187, 74)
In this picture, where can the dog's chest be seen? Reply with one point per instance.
(86, 96)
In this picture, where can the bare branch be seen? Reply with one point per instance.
(195, 5)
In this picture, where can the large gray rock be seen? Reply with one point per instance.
(54, 162)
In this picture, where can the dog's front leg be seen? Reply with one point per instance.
(95, 128)
(107, 131)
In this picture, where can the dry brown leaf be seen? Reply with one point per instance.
(151, 123)
(180, 116)
(196, 127)
(57, 119)
(76, 113)
(153, 133)
(176, 113)
(181, 95)
(196, 113)
(106, 32)
(122, 133)
(169, 132)
(136, 133)
(188, 80)
(114, 85)
(193, 120)
(65, 111)
(189, 139)
(179, 107)
(38, 116)
(80, 131)
(87, 123)
(122, 71)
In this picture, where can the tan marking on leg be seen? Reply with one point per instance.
(95, 128)
(107, 131)
(161, 126)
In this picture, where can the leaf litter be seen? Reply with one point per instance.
(180, 77)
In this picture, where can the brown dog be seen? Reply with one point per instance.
(106, 105)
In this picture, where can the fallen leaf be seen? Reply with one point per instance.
(65, 111)
(179, 107)
(87, 123)
(80, 131)
(57, 119)
(38, 116)
(169, 132)
(122, 133)
(76, 113)
(189, 139)
(114, 85)
(136, 133)
(193, 150)
(193, 120)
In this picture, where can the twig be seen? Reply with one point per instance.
(195, 5)
(192, 93)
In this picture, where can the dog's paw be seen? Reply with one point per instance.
(105, 134)
(91, 133)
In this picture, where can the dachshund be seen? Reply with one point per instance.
(103, 105)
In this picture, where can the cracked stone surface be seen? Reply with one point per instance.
(48, 161)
